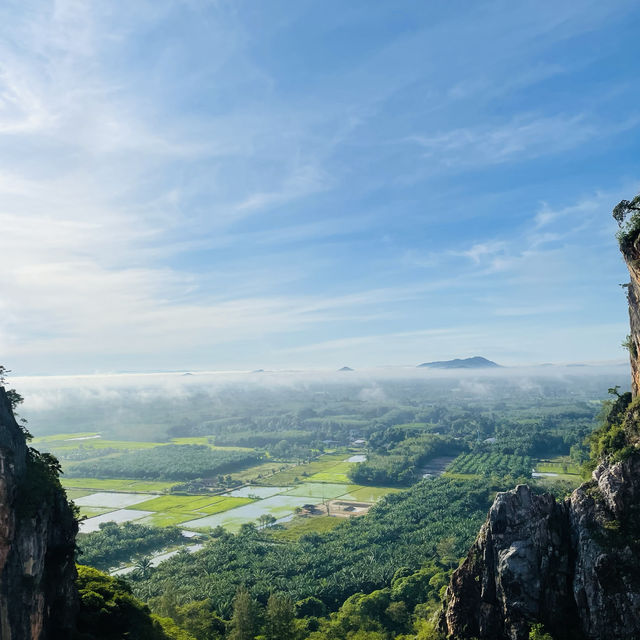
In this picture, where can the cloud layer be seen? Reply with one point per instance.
(211, 185)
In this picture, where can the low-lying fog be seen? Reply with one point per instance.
(146, 406)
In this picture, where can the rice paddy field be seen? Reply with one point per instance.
(274, 488)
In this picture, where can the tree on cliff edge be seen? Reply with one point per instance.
(14, 397)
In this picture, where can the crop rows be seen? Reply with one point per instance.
(488, 464)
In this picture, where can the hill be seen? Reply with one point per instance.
(477, 362)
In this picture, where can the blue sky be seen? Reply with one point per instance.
(238, 185)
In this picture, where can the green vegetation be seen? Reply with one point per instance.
(627, 214)
(398, 460)
(114, 545)
(359, 554)
(619, 429)
(172, 510)
(127, 485)
(305, 525)
(488, 464)
(108, 611)
(167, 462)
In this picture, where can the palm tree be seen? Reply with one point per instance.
(143, 565)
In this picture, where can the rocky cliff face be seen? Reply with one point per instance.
(574, 565)
(631, 254)
(38, 597)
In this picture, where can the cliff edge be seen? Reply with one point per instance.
(38, 596)
(573, 566)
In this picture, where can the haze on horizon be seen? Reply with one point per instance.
(194, 185)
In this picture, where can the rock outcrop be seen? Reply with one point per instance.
(573, 566)
(38, 597)
(631, 253)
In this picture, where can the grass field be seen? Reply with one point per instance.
(560, 464)
(205, 440)
(91, 512)
(196, 505)
(319, 490)
(309, 524)
(95, 443)
(357, 493)
(74, 494)
(173, 510)
(334, 473)
(300, 472)
(461, 476)
(278, 506)
(260, 473)
(116, 484)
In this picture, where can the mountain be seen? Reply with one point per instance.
(38, 595)
(345, 369)
(477, 362)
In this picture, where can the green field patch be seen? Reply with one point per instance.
(357, 493)
(460, 476)
(178, 503)
(116, 484)
(205, 440)
(318, 490)
(99, 443)
(225, 504)
(308, 524)
(560, 465)
(300, 472)
(90, 512)
(174, 510)
(278, 506)
(74, 494)
(263, 472)
(165, 519)
(335, 473)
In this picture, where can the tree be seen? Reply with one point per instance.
(14, 397)
(244, 622)
(143, 565)
(624, 207)
(537, 633)
(199, 619)
(280, 618)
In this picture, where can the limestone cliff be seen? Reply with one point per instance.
(38, 597)
(574, 565)
(631, 253)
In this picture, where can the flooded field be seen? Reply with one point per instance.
(112, 500)
(279, 506)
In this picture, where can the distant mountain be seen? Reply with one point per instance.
(477, 362)
(345, 369)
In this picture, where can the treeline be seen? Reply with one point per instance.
(166, 462)
(400, 463)
(115, 544)
(434, 520)
(260, 439)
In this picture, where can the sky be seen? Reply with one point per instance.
(234, 185)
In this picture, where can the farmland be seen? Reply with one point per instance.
(275, 488)
(487, 464)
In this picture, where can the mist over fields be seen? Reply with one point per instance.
(158, 405)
